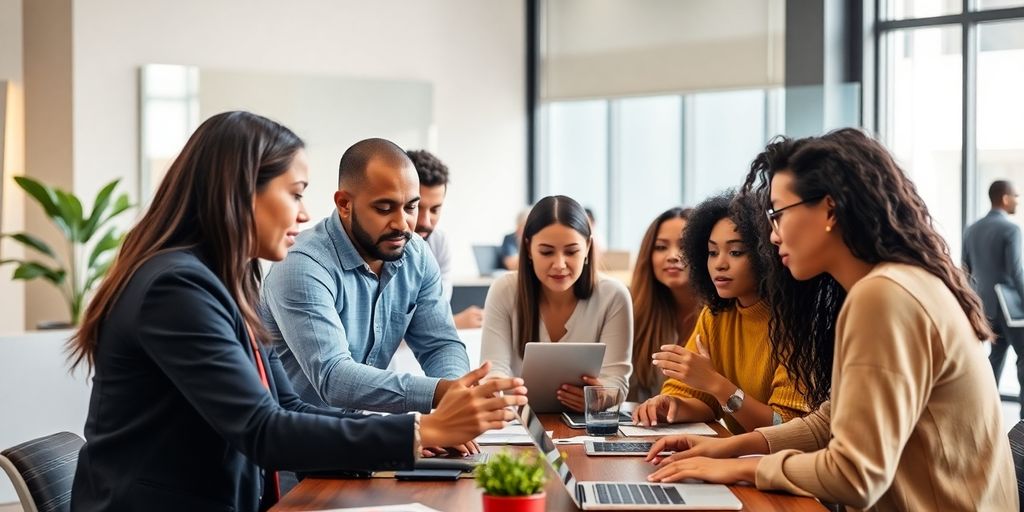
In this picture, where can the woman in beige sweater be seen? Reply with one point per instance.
(913, 419)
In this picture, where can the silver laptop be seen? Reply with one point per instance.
(626, 495)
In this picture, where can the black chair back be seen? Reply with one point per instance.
(1017, 449)
(42, 471)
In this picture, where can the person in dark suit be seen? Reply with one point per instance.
(188, 410)
(992, 255)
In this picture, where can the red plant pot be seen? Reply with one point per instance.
(531, 503)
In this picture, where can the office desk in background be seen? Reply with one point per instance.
(463, 495)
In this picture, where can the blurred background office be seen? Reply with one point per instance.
(629, 106)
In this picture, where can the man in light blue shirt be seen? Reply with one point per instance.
(356, 284)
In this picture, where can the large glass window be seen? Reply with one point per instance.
(950, 106)
(923, 92)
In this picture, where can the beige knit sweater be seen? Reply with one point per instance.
(914, 422)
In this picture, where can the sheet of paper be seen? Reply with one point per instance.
(579, 439)
(510, 434)
(699, 429)
(408, 507)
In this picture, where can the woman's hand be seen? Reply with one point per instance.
(686, 446)
(718, 471)
(692, 368)
(664, 408)
(571, 395)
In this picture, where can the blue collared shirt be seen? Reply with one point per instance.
(337, 324)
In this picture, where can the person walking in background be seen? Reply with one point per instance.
(992, 255)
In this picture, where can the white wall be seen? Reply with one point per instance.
(471, 51)
(12, 204)
(38, 396)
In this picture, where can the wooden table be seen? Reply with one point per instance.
(462, 495)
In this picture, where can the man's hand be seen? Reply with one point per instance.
(466, 412)
(469, 318)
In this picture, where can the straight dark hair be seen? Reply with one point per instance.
(882, 218)
(548, 211)
(204, 203)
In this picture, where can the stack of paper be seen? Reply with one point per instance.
(510, 434)
(408, 507)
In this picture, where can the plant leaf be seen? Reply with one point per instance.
(41, 193)
(97, 273)
(109, 241)
(33, 269)
(33, 242)
(99, 206)
(120, 205)
(71, 211)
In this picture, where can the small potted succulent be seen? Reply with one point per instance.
(512, 482)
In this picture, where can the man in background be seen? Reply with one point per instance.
(433, 174)
(992, 255)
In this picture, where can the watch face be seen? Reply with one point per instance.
(734, 402)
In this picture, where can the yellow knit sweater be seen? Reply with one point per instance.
(737, 341)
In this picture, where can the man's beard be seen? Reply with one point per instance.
(372, 247)
(424, 233)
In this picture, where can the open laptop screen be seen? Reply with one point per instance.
(547, 449)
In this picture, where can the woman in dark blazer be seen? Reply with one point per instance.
(188, 410)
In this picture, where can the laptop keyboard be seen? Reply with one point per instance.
(638, 494)
(621, 447)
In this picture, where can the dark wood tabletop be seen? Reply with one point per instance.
(463, 495)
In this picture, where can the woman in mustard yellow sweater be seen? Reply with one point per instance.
(726, 371)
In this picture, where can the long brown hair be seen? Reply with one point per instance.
(203, 203)
(655, 310)
(883, 219)
(550, 210)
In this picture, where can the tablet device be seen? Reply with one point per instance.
(578, 420)
(546, 366)
(428, 474)
(466, 463)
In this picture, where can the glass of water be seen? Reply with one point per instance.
(601, 408)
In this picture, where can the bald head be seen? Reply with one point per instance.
(352, 170)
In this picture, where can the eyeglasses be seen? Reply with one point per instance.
(773, 214)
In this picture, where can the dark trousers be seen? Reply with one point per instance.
(1007, 337)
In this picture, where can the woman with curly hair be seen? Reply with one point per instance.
(726, 369)
(913, 420)
(664, 307)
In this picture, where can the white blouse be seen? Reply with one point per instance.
(606, 317)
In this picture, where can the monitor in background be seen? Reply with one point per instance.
(488, 259)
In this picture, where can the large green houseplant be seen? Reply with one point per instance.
(88, 256)
(512, 482)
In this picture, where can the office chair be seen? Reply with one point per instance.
(1017, 450)
(42, 471)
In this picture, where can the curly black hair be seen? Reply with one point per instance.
(881, 218)
(433, 172)
(694, 244)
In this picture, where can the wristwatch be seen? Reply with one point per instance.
(734, 402)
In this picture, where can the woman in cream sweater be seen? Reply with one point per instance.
(557, 295)
(726, 370)
(913, 420)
